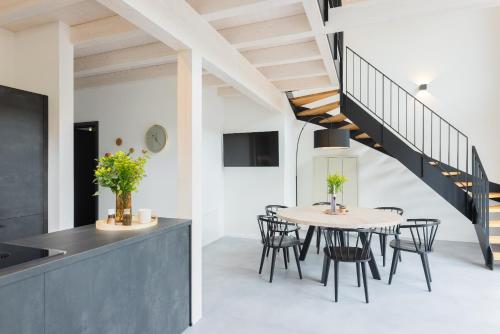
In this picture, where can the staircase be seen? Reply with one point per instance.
(384, 116)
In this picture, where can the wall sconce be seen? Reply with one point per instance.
(422, 87)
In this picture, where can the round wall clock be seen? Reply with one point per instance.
(156, 138)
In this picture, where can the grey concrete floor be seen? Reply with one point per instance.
(236, 299)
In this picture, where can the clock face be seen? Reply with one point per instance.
(156, 138)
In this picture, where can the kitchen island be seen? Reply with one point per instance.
(106, 282)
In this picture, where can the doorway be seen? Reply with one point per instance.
(86, 146)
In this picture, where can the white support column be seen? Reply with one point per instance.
(189, 132)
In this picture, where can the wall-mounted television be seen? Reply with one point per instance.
(251, 149)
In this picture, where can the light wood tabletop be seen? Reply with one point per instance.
(355, 218)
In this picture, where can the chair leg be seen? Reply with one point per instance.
(428, 267)
(384, 247)
(267, 252)
(397, 238)
(296, 254)
(318, 239)
(298, 238)
(336, 275)
(357, 274)
(365, 282)
(393, 265)
(264, 249)
(285, 252)
(273, 261)
(422, 257)
(380, 241)
(288, 255)
(326, 263)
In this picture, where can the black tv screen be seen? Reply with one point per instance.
(253, 149)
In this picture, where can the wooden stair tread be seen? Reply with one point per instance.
(334, 119)
(350, 126)
(306, 99)
(362, 136)
(495, 239)
(451, 173)
(495, 208)
(463, 184)
(319, 110)
(433, 163)
(377, 145)
(494, 223)
(494, 195)
(496, 256)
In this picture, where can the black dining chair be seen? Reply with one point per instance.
(422, 232)
(272, 210)
(272, 237)
(318, 228)
(346, 245)
(385, 232)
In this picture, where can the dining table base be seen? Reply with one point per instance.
(307, 242)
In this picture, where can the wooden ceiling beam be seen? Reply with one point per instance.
(270, 33)
(285, 54)
(222, 9)
(22, 10)
(124, 59)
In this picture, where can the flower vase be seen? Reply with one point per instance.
(333, 203)
(123, 202)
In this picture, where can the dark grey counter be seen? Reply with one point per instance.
(107, 282)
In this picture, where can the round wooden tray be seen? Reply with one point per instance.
(104, 226)
(336, 213)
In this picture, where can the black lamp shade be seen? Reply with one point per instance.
(331, 138)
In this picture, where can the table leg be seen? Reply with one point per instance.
(307, 242)
(372, 263)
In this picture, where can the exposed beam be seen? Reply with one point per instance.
(212, 80)
(269, 33)
(124, 76)
(313, 13)
(294, 71)
(369, 12)
(178, 25)
(285, 54)
(222, 9)
(124, 59)
(22, 10)
(228, 91)
(303, 83)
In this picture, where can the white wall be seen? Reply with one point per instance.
(247, 190)
(127, 110)
(40, 60)
(455, 52)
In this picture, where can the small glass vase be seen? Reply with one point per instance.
(333, 203)
(123, 201)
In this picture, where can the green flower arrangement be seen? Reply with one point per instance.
(335, 183)
(120, 172)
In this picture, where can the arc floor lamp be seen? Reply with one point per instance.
(324, 138)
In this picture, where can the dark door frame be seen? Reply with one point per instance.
(94, 124)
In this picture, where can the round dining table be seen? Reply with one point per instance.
(355, 218)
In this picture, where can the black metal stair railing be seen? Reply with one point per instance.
(406, 116)
(481, 206)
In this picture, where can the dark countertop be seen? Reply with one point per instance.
(80, 243)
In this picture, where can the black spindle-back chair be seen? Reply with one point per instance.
(384, 232)
(421, 233)
(286, 227)
(347, 245)
(318, 229)
(274, 237)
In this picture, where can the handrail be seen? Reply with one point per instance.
(406, 116)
